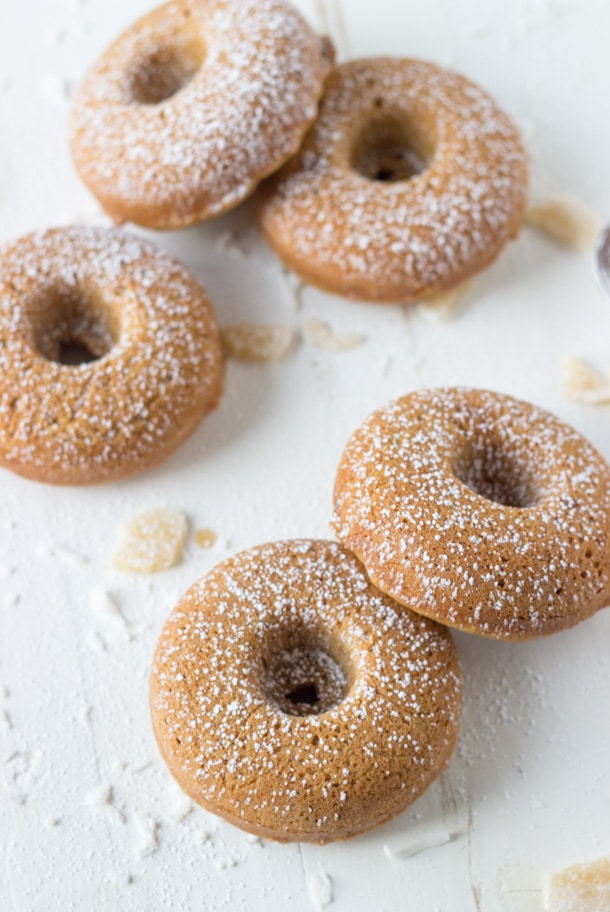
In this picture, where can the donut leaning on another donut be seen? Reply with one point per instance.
(193, 105)
(411, 180)
(478, 510)
(293, 699)
(109, 355)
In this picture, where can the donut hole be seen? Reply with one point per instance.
(389, 149)
(304, 695)
(303, 678)
(162, 72)
(496, 475)
(72, 329)
(72, 352)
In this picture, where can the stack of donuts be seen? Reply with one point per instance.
(304, 690)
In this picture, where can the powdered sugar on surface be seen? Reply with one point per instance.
(320, 888)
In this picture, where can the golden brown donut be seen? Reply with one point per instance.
(410, 181)
(193, 105)
(109, 355)
(478, 510)
(293, 699)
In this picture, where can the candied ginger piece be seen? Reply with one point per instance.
(321, 335)
(441, 306)
(151, 542)
(579, 888)
(583, 383)
(566, 221)
(257, 341)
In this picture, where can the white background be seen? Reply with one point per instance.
(528, 790)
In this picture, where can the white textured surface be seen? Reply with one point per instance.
(528, 786)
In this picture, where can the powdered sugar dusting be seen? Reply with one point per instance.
(315, 776)
(157, 367)
(145, 837)
(398, 239)
(242, 80)
(423, 842)
(320, 887)
(479, 510)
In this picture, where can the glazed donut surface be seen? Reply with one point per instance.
(149, 364)
(478, 510)
(296, 701)
(411, 180)
(193, 105)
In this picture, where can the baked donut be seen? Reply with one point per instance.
(410, 181)
(109, 355)
(193, 105)
(293, 699)
(478, 510)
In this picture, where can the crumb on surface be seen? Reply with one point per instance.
(205, 538)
